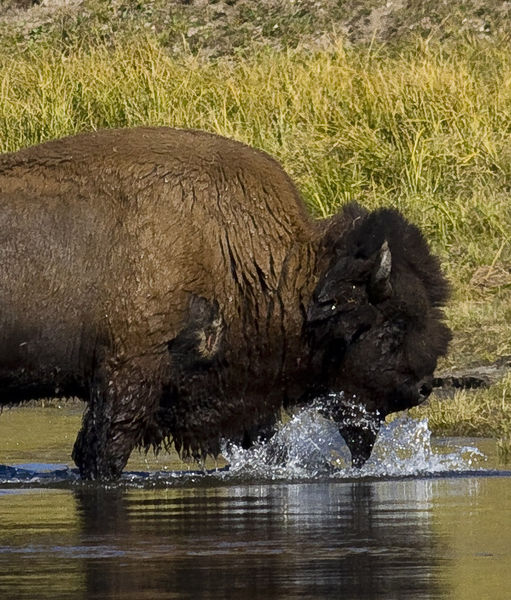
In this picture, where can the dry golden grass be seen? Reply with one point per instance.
(425, 129)
(474, 413)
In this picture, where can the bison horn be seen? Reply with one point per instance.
(380, 287)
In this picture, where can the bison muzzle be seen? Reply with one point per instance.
(175, 281)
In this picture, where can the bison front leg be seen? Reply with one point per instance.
(360, 438)
(121, 405)
(358, 426)
(258, 433)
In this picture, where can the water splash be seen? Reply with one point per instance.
(405, 447)
(309, 446)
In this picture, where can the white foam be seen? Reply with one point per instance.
(310, 446)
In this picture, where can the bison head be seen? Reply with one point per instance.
(375, 322)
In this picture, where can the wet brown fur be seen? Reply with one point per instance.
(171, 279)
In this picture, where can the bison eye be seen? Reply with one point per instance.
(399, 324)
(321, 311)
(359, 333)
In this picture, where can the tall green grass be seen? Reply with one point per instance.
(426, 130)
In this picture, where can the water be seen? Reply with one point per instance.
(424, 518)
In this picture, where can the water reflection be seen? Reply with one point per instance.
(356, 540)
(215, 537)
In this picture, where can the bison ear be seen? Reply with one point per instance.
(199, 342)
(380, 288)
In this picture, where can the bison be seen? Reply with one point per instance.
(174, 280)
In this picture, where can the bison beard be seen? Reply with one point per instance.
(175, 281)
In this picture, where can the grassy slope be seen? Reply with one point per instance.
(419, 121)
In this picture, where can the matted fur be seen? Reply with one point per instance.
(175, 281)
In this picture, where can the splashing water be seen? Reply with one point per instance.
(310, 446)
(404, 447)
(307, 447)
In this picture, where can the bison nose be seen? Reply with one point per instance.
(425, 386)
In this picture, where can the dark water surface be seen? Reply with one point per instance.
(443, 531)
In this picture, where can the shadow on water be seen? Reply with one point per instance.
(267, 542)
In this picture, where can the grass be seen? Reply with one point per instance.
(474, 413)
(424, 127)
